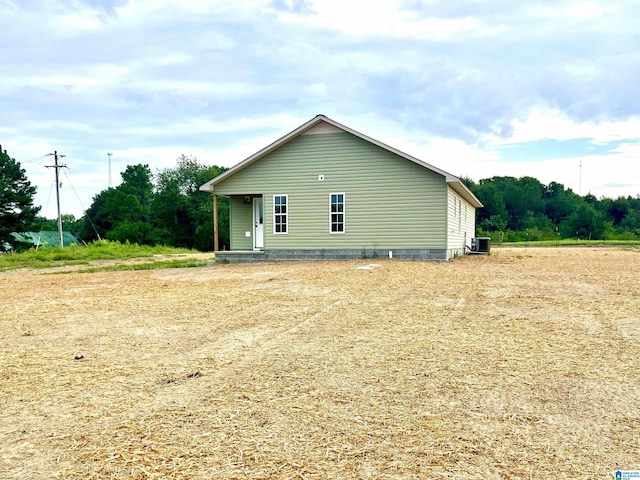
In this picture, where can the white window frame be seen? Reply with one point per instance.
(344, 209)
(285, 214)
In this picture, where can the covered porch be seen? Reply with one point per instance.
(246, 226)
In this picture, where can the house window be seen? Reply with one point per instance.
(336, 213)
(280, 214)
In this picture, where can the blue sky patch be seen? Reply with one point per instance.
(541, 150)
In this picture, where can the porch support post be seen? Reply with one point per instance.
(215, 222)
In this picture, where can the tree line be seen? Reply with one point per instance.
(519, 209)
(167, 208)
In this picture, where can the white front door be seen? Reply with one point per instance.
(258, 224)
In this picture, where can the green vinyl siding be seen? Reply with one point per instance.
(461, 221)
(240, 222)
(391, 201)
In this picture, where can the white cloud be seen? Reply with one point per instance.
(204, 125)
(570, 11)
(545, 124)
(197, 87)
(76, 23)
(590, 9)
(453, 83)
(141, 12)
(172, 59)
(90, 78)
(372, 19)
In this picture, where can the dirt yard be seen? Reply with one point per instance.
(524, 364)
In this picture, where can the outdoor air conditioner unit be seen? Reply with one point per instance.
(481, 244)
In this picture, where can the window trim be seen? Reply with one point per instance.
(285, 214)
(344, 218)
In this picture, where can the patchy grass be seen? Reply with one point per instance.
(568, 242)
(82, 254)
(143, 266)
(522, 364)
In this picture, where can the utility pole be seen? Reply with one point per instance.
(57, 168)
(580, 186)
(109, 154)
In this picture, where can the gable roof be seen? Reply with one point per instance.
(454, 182)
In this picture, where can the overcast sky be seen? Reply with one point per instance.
(478, 88)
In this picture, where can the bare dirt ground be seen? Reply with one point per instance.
(523, 365)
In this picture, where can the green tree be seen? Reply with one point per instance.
(204, 231)
(468, 182)
(16, 200)
(123, 213)
(42, 223)
(631, 221)
(494, 215)
(519, 205)
(559, 202)
(95, 223)
(586, 222)
(495, 223)
(538, 222)
(615, 210)
(70, 224)
(522, 196)
(184, 214)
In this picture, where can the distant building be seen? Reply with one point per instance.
(45, 239)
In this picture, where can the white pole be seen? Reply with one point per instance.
(580, 185)
(109, 154)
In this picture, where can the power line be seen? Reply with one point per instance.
(86, 214)
(33, 161)
(57, 168)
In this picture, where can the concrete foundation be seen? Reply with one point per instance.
(428, 254)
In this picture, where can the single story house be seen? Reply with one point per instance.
(326, 191)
